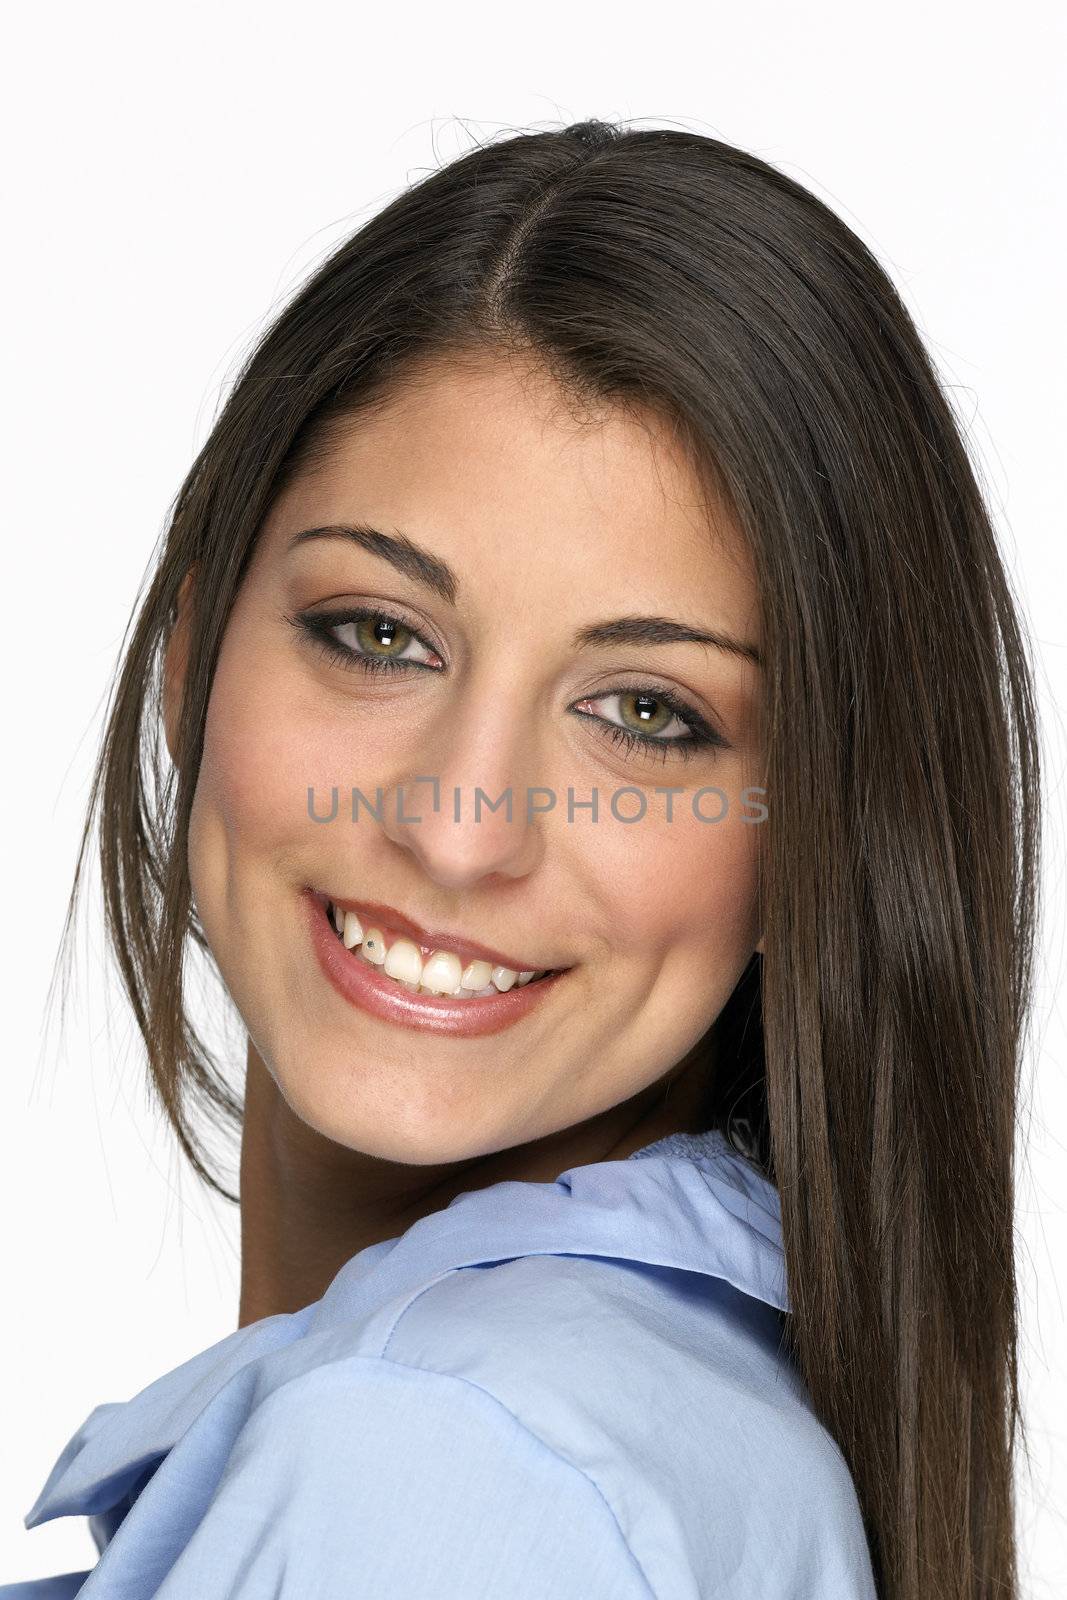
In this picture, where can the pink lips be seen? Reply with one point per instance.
(366, 986)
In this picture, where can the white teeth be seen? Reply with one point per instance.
(404, 960)
(373, 946)
(477, 975)
(440, 973)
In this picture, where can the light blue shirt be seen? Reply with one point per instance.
(545, 1391)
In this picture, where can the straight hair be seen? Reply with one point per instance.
(868, 1062)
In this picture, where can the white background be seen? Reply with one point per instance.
(169, 173)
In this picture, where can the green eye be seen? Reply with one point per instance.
(370, 641)
(666, 708)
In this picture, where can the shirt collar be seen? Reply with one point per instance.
(687, 1201)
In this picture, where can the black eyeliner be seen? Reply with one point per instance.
(316, 628)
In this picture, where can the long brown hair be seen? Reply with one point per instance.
(869, 1061)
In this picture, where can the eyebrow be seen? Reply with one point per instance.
(414, 562)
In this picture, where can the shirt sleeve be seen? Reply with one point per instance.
(364, 1479)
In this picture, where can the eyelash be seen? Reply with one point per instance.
(316, 625)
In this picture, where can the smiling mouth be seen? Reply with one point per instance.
(421, 970)
(360, 974)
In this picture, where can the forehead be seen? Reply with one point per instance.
(492, 465)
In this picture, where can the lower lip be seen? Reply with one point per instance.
(367, 987)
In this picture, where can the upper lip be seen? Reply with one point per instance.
(372, 913)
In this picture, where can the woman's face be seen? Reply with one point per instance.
(513, 528)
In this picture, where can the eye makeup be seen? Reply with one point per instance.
(320, 630)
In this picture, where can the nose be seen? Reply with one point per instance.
(463, 815)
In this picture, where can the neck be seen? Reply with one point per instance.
(308, 1204)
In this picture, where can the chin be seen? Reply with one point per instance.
(388, 1114)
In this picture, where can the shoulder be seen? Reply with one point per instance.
(543, 1425)
(423, 1483)
(671, 1392)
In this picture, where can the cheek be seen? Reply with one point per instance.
(258, 761)
(687, 890)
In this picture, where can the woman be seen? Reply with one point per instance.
(603, 768)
